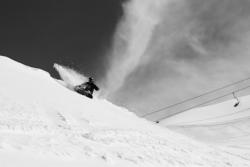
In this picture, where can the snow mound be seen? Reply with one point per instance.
(42, 123)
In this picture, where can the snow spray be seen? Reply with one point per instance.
(69, 76)
(131, 40)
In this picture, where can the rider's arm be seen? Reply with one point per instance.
(96, 88)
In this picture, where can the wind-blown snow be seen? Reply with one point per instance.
(69, 76)
(42, 123)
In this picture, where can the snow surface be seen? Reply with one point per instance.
(221, 124)
(42, 123)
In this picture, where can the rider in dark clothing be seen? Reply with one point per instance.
(87, 88)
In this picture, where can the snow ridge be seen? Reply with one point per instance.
(42, 122)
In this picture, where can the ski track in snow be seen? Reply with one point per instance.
(108, 133)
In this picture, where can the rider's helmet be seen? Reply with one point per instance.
(91, 79)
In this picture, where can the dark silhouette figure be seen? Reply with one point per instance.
(87, 88)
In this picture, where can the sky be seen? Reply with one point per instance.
(167, 51)
(144, 54)
(72, 33)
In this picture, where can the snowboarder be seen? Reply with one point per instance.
(87, 88)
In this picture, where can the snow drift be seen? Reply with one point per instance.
(42, 123)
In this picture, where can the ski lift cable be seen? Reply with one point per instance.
(196, 97)
(221, 116)
(198, 105)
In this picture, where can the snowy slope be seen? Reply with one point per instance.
(42, 123)
(221, 124)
